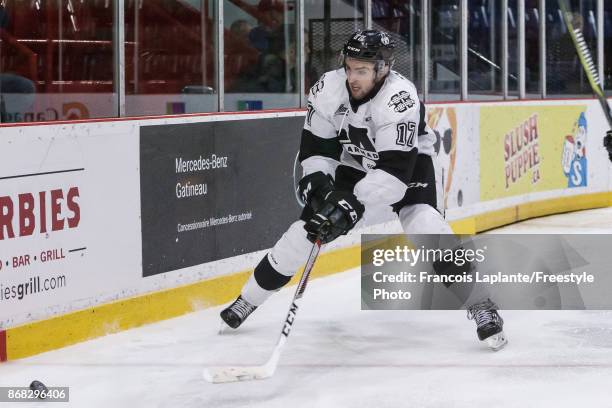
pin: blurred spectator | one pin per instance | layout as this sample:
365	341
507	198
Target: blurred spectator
265	37
4	18
312	75
241	58
275	66
16	91
240	29
276	53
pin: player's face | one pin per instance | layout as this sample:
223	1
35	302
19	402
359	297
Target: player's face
361	76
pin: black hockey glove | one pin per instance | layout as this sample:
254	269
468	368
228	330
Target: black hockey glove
338	215
314	187
607	142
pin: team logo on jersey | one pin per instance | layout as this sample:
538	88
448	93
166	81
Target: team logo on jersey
359	151
341	110
357	143
318	86
401	102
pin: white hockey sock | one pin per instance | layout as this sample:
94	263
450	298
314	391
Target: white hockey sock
280	264
255	294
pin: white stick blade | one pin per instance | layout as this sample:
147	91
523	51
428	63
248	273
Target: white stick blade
219	375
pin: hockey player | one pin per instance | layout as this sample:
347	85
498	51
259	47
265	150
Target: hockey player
608	143
365	143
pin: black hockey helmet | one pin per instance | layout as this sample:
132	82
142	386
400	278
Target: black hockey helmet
370	45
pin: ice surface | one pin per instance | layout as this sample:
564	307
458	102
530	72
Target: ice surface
340	356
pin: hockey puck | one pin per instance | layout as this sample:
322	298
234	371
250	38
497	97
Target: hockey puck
40	388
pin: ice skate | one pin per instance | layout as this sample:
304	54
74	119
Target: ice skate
236	313
489	324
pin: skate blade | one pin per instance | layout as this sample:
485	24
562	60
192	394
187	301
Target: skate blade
497	341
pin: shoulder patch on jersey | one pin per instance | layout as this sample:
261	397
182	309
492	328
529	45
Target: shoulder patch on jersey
384	38
401	102
318	86
342	109
311	111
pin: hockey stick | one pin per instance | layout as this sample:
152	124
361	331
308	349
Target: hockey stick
587	61
218	375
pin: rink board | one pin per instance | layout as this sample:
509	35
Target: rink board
74	196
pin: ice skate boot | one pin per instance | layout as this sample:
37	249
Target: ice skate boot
489	324
236	313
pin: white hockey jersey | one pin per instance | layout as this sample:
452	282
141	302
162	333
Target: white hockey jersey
380	135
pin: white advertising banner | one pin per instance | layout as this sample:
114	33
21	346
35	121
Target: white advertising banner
70	194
